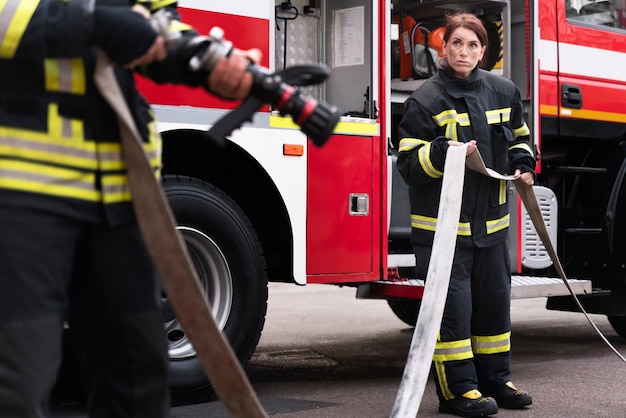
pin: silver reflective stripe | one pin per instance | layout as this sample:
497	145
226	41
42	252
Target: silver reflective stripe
75	183
87	158
6	16
14	18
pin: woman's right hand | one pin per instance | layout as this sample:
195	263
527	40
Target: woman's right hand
471	145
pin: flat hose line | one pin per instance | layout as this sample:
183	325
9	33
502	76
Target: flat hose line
176	271
422	347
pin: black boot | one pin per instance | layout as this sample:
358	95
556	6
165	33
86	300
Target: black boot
470	404
509	397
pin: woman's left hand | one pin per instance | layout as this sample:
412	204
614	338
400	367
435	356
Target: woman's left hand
526	177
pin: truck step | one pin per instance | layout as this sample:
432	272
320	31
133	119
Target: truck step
521	287
534	287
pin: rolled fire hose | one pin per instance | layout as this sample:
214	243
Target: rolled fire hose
168	252
422	347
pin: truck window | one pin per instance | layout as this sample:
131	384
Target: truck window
597	13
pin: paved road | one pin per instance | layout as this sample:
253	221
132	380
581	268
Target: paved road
324	353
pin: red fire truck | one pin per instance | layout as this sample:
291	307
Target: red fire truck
270	206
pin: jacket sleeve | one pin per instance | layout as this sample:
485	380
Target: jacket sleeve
57	28
175	68
421	154
521	155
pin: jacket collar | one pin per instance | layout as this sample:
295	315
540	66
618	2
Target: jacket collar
458	87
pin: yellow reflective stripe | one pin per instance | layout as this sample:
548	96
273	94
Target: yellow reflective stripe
453	350
64	144
111	159
464	229
492	344
423	222
423	155
115	188
452	131
497	224
451	116
65	75
14	18
522	131
158	4
407	144
502	192
428	223
55	181
442	378
178	26
49	180
498	115
524	147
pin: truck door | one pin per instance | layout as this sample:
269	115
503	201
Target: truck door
344	177
591	58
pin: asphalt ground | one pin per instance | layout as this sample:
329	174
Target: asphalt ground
324	353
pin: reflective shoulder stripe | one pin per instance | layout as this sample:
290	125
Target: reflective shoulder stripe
14	18
491	344
451	116
498	115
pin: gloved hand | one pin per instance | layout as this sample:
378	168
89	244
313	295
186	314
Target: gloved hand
126	36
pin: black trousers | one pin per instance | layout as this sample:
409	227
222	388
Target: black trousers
473	348
100	280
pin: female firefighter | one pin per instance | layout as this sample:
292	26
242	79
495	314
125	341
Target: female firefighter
464	104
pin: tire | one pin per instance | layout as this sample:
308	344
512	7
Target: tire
405	309
228	257
619	324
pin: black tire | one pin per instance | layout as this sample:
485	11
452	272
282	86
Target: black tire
228	256
619	324
405	309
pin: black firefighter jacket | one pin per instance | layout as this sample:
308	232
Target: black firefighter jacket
485	107
59	140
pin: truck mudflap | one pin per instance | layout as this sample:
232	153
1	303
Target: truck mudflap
521	287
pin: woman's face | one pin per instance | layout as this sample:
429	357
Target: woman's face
463	51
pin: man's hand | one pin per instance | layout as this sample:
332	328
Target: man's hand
229	78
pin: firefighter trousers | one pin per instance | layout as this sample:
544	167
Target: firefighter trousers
100	280
473	347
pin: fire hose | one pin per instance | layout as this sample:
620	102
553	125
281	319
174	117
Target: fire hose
424	338
172	262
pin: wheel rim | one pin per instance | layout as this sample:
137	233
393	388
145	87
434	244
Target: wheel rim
215	278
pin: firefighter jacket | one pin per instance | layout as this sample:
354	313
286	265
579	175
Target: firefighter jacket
484	107
59	140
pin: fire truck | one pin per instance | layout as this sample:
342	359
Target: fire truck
271	206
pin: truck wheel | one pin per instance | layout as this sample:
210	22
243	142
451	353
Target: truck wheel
405	309
619	324
228	257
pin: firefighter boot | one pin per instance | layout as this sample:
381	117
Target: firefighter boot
471	404
509	397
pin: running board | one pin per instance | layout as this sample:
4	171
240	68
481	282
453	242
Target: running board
521	287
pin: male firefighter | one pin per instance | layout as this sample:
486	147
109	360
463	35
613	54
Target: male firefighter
70	248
